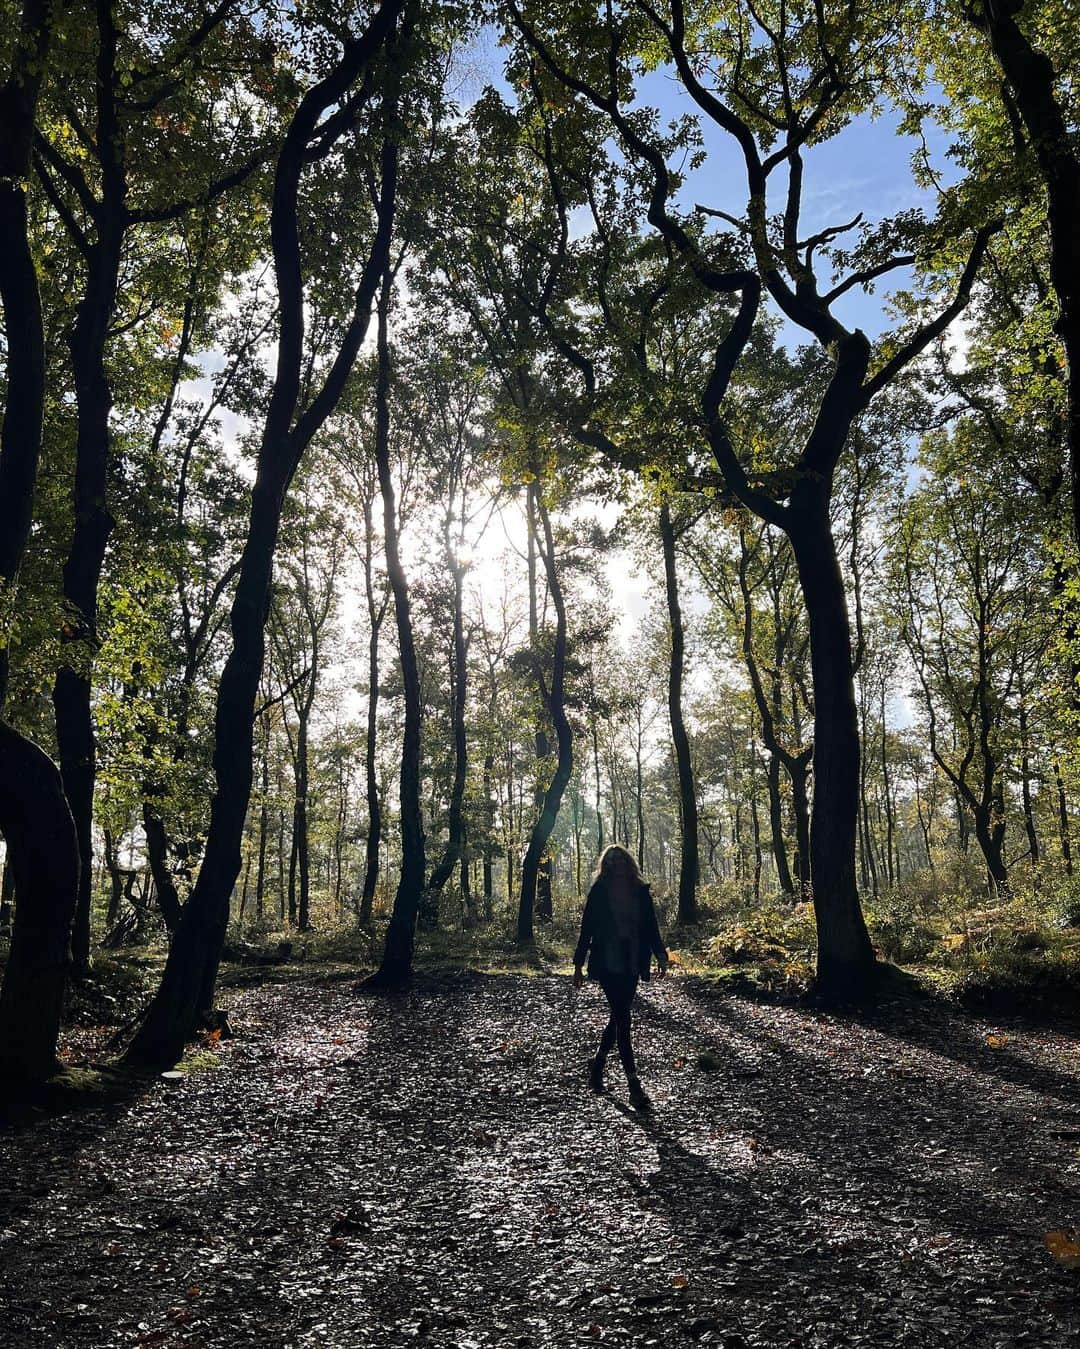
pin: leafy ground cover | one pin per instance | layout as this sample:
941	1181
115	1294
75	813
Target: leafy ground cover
352	1170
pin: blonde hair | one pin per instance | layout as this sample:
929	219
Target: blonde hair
616	852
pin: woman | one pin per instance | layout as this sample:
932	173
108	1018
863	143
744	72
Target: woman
620	935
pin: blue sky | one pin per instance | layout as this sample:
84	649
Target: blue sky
866	167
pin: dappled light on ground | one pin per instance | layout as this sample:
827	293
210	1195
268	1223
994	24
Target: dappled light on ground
431	1169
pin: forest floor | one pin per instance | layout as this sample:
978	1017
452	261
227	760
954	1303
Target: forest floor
430	1168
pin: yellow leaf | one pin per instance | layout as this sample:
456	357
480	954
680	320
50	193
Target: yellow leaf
997	1041
680	1281
1064	1247
674	958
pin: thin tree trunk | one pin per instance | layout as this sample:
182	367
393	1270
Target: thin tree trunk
1063	820
168	897
116	881
544	825
264	784
459	688
397	957
890	822
776	828
1025	786
687	911
302	843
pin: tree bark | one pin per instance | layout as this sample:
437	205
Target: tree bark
1063	820
845	956
44	857
397	959
553	699
157	857
687	911
376	613
35	820
185	995
459	687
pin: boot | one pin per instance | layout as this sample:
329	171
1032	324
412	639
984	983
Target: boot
638	1099
596	1075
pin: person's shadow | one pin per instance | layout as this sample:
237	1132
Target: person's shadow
703	1200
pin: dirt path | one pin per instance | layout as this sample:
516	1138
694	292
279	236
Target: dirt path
430	1169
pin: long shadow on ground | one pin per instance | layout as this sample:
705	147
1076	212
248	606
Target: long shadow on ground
430	1168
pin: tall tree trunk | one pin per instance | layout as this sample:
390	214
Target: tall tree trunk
1064	832
845	956
1025	786
245	885
397	957
599	794
301	842
799	771
185	995
86	556
293	857
35	820
264	785
489	832
776	828
687	911
92	521
553	699
639	796
886	786
376	613
459	687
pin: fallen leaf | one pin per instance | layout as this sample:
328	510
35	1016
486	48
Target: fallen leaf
1064	1247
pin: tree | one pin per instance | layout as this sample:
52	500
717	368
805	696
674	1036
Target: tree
127	122
966	577
186	991
812	72
42	848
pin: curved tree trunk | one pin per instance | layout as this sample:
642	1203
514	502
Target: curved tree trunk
688	815
397	960
86	557
185	995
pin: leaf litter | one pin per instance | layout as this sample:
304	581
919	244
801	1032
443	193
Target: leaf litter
430	1169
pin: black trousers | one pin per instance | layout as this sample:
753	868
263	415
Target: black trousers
620	991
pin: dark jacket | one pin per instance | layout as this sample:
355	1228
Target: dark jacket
596	925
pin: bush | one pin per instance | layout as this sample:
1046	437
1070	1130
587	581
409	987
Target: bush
902	933
1069	902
